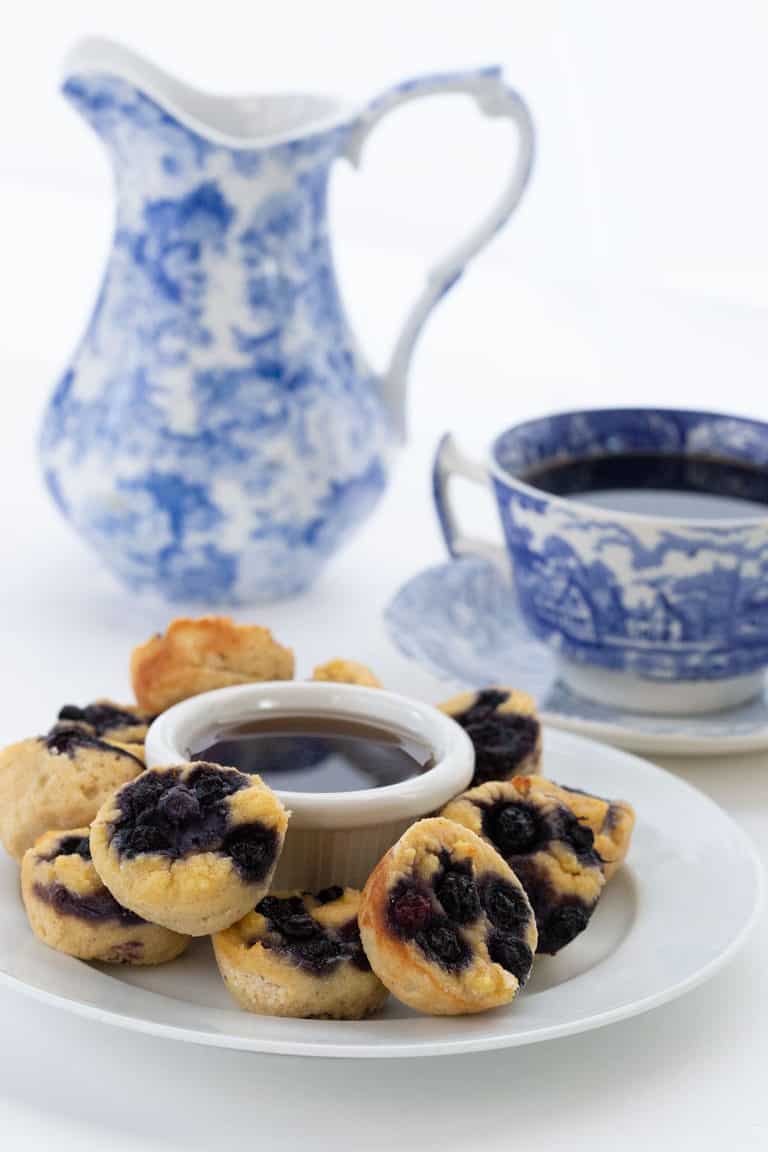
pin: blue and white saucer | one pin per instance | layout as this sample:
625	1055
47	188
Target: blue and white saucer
460	620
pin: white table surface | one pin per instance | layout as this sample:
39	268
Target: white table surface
694	1067
526	331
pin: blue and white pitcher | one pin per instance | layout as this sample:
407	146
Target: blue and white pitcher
218	433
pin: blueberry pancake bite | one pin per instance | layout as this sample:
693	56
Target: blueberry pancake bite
445	922
194	656
504	730
346	672
59	781
549	849
69	908
192	847
299	954
121	723
611	821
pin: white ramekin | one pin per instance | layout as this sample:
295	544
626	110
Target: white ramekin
333	837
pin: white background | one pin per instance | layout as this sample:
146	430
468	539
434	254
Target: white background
635	270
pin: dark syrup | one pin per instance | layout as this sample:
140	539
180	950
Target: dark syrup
658	484
317	753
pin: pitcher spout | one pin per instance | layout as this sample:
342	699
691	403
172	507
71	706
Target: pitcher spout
107	81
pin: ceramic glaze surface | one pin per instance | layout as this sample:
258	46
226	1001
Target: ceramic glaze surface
217	387
664	599
461	620
217	434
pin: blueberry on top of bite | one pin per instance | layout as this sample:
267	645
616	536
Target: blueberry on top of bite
95	906
458	894
295	933
102	717
175	815
63	740
502	740
433	915
518	827
70	846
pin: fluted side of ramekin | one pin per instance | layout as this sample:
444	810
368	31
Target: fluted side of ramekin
317	858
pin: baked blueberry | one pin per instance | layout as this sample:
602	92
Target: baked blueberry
67	844
115	723
69	908
445	922
610	822
192	846
504	730
299	954
457	891
551	851
326	895
409	909
511	953
505	905
59	781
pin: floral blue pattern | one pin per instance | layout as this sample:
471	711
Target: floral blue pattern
666	600
216	435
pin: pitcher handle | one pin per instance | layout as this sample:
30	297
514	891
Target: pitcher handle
494	98
450	461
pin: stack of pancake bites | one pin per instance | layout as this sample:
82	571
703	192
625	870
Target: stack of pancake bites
124	865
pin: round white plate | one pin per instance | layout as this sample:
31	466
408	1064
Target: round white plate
670	919
461	621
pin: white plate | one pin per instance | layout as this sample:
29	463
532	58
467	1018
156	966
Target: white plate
461	621
670	919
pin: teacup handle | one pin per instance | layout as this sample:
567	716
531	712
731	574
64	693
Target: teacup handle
450	461
494	98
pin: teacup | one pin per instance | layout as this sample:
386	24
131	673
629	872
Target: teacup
333	837
661	610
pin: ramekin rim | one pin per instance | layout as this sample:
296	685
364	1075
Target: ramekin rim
168	738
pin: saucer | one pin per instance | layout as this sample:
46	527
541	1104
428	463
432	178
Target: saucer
461	621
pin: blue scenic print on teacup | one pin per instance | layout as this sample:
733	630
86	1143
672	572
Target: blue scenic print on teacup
461	621
659	598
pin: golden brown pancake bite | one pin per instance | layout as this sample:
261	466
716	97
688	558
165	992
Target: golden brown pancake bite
445	922
299	954
194	656
192	847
